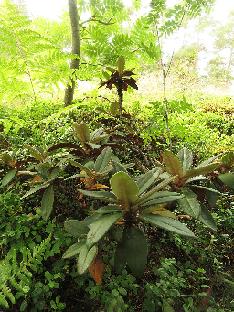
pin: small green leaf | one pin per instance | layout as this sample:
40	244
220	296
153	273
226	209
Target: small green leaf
121	64
86	257
76	228
228	179
132	250
186	157
54	173
101	226
168	224
103	159
8	177
167	307
84	168
206	218
105	74
82	132
47	202
108	209
173	164
73	250
114	108
124	188
189	204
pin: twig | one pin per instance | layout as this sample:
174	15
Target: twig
165	72
94	19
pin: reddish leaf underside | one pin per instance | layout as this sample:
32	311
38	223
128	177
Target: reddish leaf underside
96	269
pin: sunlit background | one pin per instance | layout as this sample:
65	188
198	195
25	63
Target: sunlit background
54	9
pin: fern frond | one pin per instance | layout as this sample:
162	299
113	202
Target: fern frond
16	276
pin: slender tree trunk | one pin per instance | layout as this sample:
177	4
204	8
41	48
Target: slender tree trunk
75	63
229	65
120	95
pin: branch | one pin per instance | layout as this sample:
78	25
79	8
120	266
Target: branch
96	65
95	97
94	19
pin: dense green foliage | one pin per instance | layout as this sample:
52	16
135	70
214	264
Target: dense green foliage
194	267
122	201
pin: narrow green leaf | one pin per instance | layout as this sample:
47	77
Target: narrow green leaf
103	159
206	189
124	188
114	107
161	197
73	250
111	69
117	166
155	189
206	218
86	257
132	250
35	189
208	161
76	228
145	181
159	211
186	157
8	177
47	202
194	172
92	145
189	204
173	164
54	173
76	164
38	155
108	209
99	194
6	158
228	159
211	194
168	224
75	176
101	226
98	136
228	179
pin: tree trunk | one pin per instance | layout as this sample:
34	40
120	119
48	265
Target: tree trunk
75	63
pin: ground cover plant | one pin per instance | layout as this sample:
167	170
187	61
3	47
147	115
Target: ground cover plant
118	201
